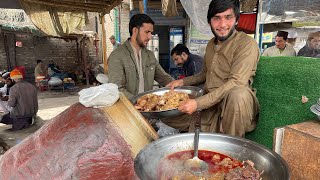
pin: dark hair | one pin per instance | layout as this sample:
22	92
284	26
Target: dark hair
39	61
179	49
137	21
219	6
283	34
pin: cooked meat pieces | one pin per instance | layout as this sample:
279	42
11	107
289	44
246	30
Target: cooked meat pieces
153	102
244	173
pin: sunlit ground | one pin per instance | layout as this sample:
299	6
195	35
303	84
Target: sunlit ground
51	103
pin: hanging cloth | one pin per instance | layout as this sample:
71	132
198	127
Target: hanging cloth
55	21
169	8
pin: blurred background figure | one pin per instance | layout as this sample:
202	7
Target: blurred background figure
54	71
23	102
40	70
4	93
312	47
190	63
281	48
41	75
114	42
292	37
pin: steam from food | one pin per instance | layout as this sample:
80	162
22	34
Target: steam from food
153	102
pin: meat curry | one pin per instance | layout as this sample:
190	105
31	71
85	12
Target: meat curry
221	167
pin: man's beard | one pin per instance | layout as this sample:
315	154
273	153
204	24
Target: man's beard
139	41
223	38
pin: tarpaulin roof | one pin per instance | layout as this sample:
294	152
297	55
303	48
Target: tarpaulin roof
100	6
57	17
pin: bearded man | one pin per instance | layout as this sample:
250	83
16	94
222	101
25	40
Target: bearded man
132	66
229	104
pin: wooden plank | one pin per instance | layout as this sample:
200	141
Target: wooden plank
101	7
131	124
300	149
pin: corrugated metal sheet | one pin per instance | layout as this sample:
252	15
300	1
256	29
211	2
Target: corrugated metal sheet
160	20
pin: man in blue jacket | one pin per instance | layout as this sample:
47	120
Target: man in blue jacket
191	63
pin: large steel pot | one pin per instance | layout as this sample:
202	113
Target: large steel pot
273	166
193	91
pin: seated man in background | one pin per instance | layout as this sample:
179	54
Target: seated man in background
191	63
40	71
281	48
312	47
4	107
54	71
23	101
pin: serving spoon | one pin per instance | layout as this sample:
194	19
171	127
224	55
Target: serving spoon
196	165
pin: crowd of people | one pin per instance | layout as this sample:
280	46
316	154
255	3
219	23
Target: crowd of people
229	104
225	73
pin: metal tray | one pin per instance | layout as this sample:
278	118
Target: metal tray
193	91
146	163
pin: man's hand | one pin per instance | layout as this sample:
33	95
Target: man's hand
175	83
189	107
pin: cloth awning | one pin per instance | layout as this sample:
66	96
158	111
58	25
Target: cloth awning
247	23
60	18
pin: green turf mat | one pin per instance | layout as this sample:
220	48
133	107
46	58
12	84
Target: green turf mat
280	83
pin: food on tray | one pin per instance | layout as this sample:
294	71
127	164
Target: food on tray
153	102
221	167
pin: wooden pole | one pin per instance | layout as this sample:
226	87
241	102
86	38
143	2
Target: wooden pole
104	45
84	58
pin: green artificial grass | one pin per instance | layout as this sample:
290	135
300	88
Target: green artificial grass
280	83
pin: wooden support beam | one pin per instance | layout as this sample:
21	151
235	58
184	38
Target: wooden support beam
91	6
64	5
141	7
104	46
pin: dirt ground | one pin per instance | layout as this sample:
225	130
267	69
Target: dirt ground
51	103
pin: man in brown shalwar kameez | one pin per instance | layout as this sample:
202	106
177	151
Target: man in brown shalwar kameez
229	104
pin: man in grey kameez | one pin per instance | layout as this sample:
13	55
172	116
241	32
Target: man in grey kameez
23	102
229	104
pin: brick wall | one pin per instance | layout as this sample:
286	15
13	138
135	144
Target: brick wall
123	23
125	18
109	27
59	51
3	57
62	52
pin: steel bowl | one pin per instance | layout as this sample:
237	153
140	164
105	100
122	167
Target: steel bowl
193	92
273	166
316	110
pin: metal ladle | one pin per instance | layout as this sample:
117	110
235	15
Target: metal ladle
196	165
